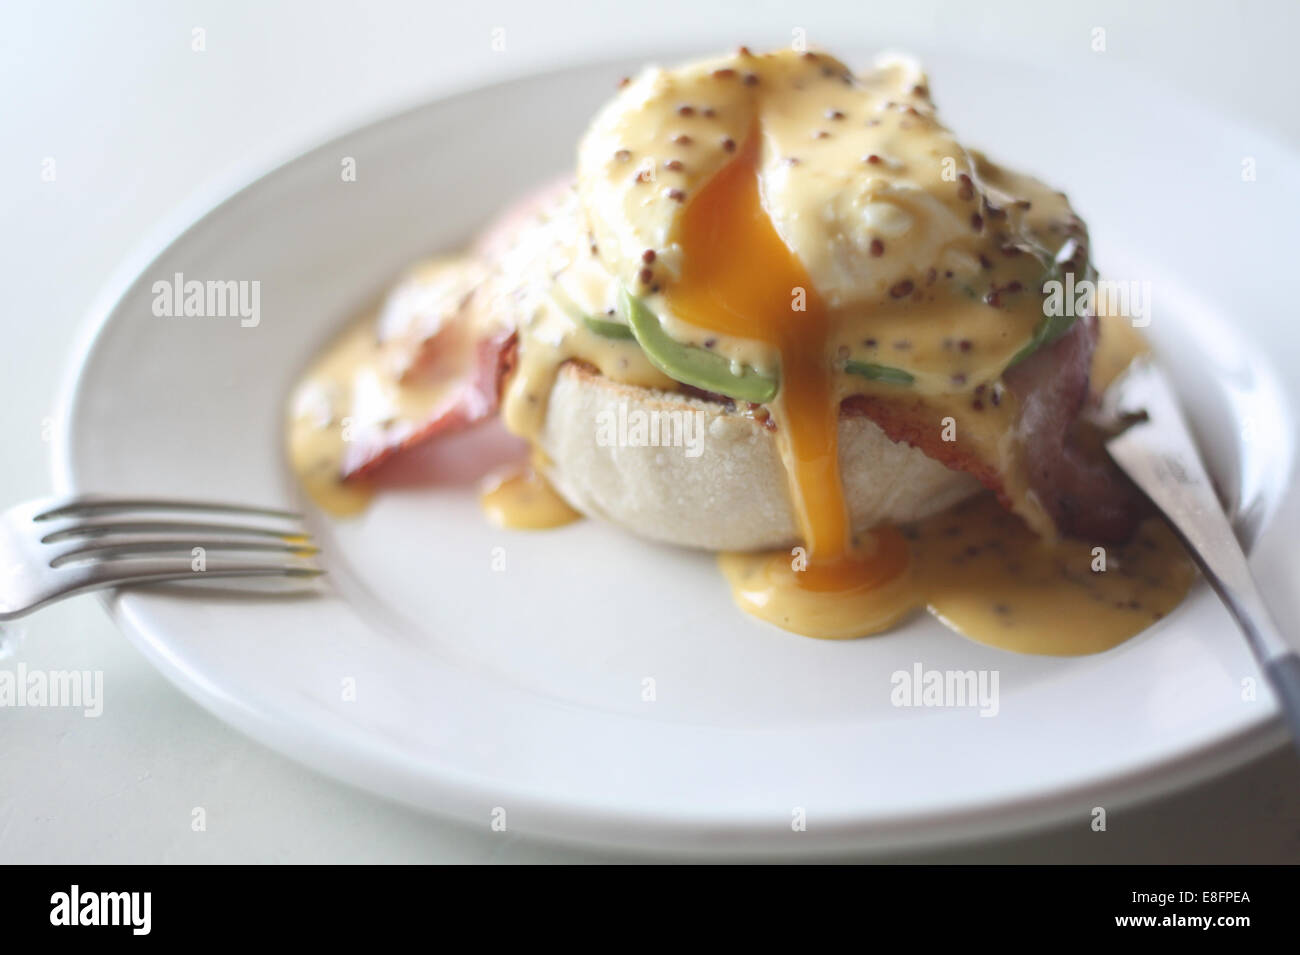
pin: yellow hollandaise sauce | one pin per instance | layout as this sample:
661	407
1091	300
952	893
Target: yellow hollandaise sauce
981	571
522	499
317	426
985	574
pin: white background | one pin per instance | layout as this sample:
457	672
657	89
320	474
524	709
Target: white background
136	121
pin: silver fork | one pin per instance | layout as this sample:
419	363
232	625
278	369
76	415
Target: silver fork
56	547
1158	453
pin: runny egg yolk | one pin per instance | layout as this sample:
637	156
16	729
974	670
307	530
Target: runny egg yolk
739	278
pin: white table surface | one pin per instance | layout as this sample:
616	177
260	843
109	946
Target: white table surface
136	121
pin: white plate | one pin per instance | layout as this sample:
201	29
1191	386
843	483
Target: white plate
522	689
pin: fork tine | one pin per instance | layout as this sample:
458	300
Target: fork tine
126	548
90	507
105	527
115	573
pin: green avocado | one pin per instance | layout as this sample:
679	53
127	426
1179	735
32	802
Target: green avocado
607	329
691	364
894	376
600	326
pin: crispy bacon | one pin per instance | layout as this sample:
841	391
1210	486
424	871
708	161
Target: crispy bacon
474	399
1086	495
1083	492
909	420
427	341
430	340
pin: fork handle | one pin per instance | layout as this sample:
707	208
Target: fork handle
1161	458
1229	575
1214	547
1227	572
1284	673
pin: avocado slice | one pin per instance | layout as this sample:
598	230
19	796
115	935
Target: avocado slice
894	376
607	329
600	326
691	364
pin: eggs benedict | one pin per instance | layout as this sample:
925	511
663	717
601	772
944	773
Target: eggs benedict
783	314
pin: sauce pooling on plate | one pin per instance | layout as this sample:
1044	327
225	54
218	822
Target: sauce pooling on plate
982	572
521	499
